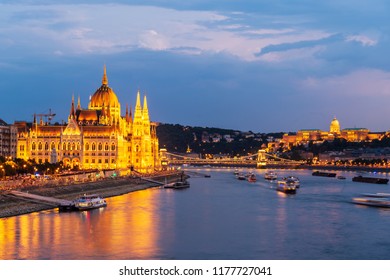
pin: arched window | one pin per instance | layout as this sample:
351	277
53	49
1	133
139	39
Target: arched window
86	146
52	146
68	146
93	147
106	146
113	146
40	146
33	146
64	146
46	146
78	146
73	146
100	146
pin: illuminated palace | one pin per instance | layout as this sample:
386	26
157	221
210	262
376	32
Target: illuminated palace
97	137
317	135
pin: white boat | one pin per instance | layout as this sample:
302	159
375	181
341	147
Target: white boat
372	201
270	175
90	201
286	186
177	185
295	180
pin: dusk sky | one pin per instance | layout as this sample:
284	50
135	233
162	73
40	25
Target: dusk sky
265	66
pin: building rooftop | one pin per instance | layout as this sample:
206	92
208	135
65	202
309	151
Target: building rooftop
3	123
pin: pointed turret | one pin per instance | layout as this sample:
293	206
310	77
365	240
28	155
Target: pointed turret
138	109
127	117
72	110
78	103
145	111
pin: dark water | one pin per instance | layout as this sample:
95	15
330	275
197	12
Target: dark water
216	218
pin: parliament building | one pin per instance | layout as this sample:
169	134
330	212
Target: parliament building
97	137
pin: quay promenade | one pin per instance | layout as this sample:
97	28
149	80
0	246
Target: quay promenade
107	187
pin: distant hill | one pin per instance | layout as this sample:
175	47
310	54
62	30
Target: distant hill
210	140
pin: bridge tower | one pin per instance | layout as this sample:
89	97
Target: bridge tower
261	159
164	159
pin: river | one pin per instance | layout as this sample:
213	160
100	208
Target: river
216	218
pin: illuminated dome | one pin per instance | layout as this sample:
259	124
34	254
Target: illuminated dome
334	126
104	96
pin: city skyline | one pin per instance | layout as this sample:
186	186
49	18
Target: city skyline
254	65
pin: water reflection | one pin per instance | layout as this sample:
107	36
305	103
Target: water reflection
127	228
217	218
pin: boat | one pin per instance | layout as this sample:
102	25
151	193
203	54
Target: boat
376	194
323	174
371	201
270	175
241	177
341	177
286	186
295	180
87	202
252	178
372	180
177	185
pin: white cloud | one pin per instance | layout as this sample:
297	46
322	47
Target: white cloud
362	39
114	28
151	39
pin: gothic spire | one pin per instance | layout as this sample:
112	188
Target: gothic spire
78	103
72	111
105	80
138	109
145	111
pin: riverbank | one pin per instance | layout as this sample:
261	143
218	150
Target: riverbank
12	206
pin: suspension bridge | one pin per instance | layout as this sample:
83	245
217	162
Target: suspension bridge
261	159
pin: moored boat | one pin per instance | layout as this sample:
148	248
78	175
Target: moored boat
324	174
177	185
286	186
372	180
87	202
252	178
241	177
270	175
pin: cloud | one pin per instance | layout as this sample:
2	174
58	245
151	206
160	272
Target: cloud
110	28
363	82
364	40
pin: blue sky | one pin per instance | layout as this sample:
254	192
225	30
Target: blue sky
265	66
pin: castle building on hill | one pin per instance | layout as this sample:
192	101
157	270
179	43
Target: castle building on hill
95	137
304	136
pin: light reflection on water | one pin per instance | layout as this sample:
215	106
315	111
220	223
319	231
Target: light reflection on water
216	218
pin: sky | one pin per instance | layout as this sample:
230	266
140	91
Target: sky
264	66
